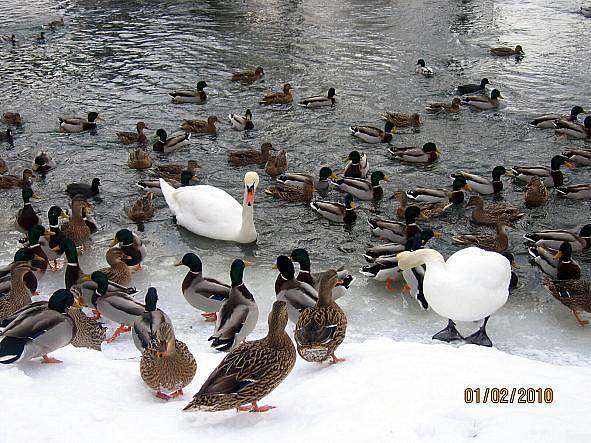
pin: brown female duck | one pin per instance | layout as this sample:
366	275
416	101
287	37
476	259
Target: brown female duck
200	126
248	76
536	193
19	294
139	159
279	98
293	194
493	213
497	243
250	156
117	272
428	209
143	208
12	181
130	138
574	294
12	118
76	229
277	164
173	172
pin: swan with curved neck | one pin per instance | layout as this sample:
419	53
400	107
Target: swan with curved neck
211	212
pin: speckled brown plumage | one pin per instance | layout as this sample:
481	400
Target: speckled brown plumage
536	193
201	126
139	159
277	164
497	243
173	172
293	194
250	156
117	272
76	229
400	120
143	208
493	213
89	333
19	294
12	118
574	294
428	210
13	181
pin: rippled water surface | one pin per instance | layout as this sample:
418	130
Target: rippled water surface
121	59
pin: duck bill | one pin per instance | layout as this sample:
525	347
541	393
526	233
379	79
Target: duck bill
114	242
250	195
558	255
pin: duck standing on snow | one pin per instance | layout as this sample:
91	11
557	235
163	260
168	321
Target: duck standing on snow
319	100
363	189
19	294
190	96
242	122
574	294
132	246
369	134
357	165
470	286
146	325
118	271
547	121
250	371
422	69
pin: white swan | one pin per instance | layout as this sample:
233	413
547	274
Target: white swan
470	286
211	212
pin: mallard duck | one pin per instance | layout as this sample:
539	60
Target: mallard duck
145	325
335	211
40	38
277	164
54	247
19	294
576	192
173	172
37	332
391	249
130	138
73	275
8	39
395	231
3	166
369	134
297	294
551	176
482	102
547	121
238	314
167	364
190	96
12	181
574	130
296	179
497	243
439	107
580	157
363	189
321	329
89	332
514	265
132	246
7	136
292	194
428	210
504	51
357	165
401	120
586	11
278	98
574	294
26	216
76	229
55	24
200	126
493	213
153	186
470	286
440	195
87	215
139	159
427	154
536	193
553	238
556	264
317	101
242	122
84	189
420	68
167	145
23	256
483	185
43	163
118	271
383	269
248	76
250	371
35	237
203	293
143	208
251	156
75	125
473	88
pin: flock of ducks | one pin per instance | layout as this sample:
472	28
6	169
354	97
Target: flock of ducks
470	285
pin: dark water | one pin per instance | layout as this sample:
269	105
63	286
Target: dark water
121	58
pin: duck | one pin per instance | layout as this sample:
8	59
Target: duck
241	122
299	180
483	185
357	165
118	271
318	101
279	98
513	284
504	51
238	314
363	189
8	39
87	215
440	107
579	157
547	121
497	243
575	192
248	76
89	333
203	293
73	275
55	24
395	231
277	164
170	144
427	154
54	247
574	294
7	136
402	120
292	194
550	176
43	163
553	238
3	166
36	236
391	249
40	38
145	325
369	134
383	269
297	294
200	126
422	69
38	332
8	181
190	96
414	278
84	189
428	210
473	88
556	264
76	229
482	102
26	217
493	213
211	212
335	211
440	195
574	130
321	328
586	11
167	364
232	384
470	286
139	159
19	294
131	138
251	156
76	125
143	208
153	186
536	193
23	256
174	171
132	246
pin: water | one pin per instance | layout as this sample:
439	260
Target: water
121	59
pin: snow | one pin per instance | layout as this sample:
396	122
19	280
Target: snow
384	391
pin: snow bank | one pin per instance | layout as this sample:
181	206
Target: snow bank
385	391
